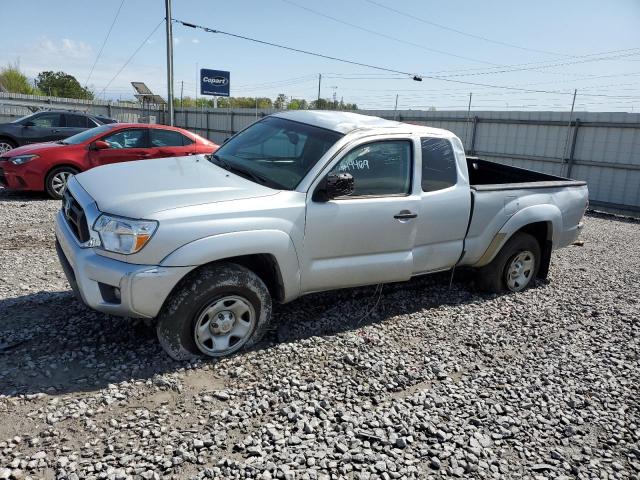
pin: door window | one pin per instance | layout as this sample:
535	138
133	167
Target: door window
378	168
168	138
47	120
127	139
76	121
438	164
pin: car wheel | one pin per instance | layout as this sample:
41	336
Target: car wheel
6	145
214	312
515	266
56	181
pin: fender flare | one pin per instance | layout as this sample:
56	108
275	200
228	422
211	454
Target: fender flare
547	213
234	244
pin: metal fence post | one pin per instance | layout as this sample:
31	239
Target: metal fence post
233	114
472	147
573	147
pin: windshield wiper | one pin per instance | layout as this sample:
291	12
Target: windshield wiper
257	156
244	172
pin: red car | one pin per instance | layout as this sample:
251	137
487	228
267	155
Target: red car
48	166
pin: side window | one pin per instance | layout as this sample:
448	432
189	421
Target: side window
47	120
379	168
167	138
438	164
127	139
76	121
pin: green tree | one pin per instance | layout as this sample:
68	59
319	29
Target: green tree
60	84
298	104
14	81
327	104
280	102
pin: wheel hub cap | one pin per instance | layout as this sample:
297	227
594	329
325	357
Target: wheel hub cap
520	270
224	325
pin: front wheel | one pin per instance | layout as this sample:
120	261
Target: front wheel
214	312
6	145
514	267
56	182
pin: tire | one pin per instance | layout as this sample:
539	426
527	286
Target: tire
223	302
514	267
6	144
56	182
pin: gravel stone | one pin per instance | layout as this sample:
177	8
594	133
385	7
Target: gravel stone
435	382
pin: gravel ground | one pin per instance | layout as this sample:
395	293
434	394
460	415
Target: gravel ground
436	382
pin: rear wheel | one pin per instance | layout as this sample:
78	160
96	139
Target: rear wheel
56	181
514	267
215	312
6	145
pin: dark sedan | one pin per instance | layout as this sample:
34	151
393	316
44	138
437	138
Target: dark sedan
46	127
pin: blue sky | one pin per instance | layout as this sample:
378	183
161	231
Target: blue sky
551	38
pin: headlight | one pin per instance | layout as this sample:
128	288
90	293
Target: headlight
122	235
21	159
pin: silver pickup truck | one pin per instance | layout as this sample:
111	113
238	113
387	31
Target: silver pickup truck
301	202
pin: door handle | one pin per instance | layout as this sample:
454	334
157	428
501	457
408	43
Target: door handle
55	130
405	215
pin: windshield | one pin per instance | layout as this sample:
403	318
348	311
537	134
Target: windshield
275	152
22	119
86	135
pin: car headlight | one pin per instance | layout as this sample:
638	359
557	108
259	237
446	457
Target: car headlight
22	159
122	235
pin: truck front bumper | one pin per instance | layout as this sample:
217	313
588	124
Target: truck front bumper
112	286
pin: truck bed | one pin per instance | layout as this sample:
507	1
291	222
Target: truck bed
485	176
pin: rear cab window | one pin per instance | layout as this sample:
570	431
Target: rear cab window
438	164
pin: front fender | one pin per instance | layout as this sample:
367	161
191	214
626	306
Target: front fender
536	213
226	245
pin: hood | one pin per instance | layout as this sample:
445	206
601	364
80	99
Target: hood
140	188
34	148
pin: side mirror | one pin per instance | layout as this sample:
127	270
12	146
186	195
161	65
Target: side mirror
334	185
28	123
100	145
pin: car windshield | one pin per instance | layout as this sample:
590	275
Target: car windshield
275	152
22	119
82	137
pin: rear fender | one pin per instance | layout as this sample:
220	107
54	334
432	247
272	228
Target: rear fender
226	245
547	213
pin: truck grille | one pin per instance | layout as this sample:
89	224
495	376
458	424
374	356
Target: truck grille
74	214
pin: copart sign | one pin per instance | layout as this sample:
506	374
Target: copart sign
215	82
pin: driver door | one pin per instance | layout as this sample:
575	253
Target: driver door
44	127
124	146
367	237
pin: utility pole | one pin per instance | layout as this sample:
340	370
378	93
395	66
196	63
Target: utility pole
168	21
181	91
395	109
319	82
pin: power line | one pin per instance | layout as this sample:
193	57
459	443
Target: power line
306	52
416	76
510	68
132	55
461	32
384	35
104	42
